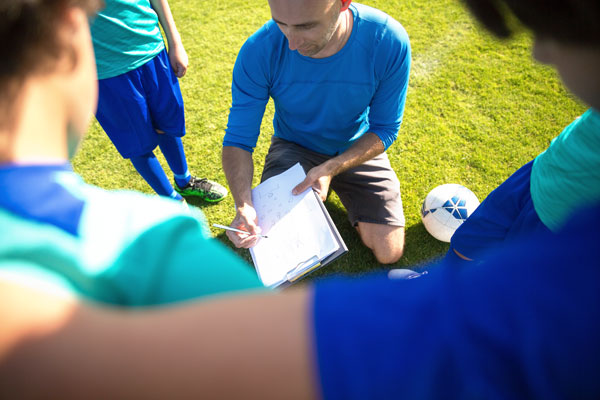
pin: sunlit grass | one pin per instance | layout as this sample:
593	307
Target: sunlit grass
477	109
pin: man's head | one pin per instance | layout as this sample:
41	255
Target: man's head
308	25
566	34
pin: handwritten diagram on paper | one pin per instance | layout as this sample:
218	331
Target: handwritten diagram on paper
297	228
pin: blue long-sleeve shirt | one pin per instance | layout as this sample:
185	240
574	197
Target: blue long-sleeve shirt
323	104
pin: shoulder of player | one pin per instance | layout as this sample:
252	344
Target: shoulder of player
262	45
372	22
266	37
592	116
127	213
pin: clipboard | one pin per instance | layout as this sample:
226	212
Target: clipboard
301	234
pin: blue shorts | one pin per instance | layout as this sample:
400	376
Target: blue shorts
133	105
506	214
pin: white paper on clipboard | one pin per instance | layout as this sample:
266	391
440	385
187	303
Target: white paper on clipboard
300	232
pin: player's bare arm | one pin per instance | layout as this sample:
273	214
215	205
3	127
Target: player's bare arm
191	351
319	177
239	171
177	54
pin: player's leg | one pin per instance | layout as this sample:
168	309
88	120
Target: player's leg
167	112
185	183
172	149
505	214
123	114
386	241
149	168
371	194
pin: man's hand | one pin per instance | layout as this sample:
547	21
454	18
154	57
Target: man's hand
319	178
245	220
179	60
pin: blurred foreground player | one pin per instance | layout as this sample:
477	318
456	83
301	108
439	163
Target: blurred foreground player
59	234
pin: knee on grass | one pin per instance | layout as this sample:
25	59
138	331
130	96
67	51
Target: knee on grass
387	255
386	242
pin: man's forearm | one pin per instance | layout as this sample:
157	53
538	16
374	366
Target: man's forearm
239	171
365	148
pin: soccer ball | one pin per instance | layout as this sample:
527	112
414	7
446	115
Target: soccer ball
445	208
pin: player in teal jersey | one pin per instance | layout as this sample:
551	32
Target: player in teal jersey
140	105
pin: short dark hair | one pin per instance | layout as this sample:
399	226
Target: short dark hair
28	39
567	21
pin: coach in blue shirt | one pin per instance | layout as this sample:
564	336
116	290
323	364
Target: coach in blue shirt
337	73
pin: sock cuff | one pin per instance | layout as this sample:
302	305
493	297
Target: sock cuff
185	175
176	196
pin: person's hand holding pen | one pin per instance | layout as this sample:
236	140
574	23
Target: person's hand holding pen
228	228
245	220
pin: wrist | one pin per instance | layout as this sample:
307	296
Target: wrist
242	205
332	166
174	41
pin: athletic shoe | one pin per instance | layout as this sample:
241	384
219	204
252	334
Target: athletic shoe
207	190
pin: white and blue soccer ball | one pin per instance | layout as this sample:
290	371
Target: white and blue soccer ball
445	208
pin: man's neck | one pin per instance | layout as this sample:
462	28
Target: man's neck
340	37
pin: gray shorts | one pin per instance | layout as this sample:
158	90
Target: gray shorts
370	192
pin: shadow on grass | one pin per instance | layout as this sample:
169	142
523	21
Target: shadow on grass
420	248
198	202
358	260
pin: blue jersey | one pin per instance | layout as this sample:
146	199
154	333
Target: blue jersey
323	104
523	324
63	236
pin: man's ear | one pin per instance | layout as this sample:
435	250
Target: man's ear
345	4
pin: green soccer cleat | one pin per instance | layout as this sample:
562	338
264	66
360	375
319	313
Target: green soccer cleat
207	190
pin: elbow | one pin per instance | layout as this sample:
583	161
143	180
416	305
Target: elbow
387	137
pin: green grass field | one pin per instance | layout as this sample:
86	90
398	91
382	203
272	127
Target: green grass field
477	109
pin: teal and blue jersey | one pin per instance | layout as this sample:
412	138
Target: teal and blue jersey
323	104
566	176
117	247
540	196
